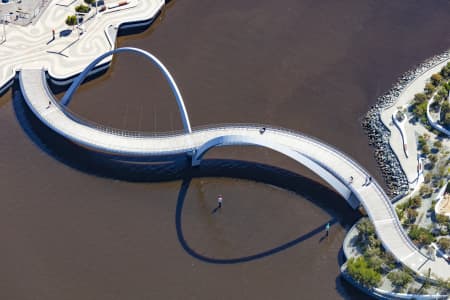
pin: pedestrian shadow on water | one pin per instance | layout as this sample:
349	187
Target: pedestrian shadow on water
177	167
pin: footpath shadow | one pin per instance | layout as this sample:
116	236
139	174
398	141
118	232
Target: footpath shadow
177	167
179	228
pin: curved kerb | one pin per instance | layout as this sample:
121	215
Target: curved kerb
173	86
229	140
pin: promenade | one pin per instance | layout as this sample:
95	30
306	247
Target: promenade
371	196
409	163
69	53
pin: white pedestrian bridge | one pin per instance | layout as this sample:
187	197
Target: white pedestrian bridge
329	163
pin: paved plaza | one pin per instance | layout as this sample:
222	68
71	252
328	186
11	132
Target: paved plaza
70	52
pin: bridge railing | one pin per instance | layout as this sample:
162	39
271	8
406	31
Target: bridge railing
316	141
256	127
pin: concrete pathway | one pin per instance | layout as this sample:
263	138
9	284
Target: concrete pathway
372	196
65	56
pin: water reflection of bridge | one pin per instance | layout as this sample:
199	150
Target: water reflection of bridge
329	163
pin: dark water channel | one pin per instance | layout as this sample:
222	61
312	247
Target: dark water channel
75	225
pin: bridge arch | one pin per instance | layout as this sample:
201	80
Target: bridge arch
332	178
173	86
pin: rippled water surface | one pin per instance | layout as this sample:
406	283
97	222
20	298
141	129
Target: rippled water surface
75	225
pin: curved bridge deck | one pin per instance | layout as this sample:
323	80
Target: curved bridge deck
372	197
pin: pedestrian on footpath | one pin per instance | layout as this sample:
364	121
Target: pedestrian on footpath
219	201
53	33
49	104
351	180
327	228
366	182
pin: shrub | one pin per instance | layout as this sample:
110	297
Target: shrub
420	235
420	98
443	92
441	219
437	144
429	88
445	71
444	244
362	273
412	215
425	190
445	107
420	111
447	119
71	20
436	79
416	201
89	2
421	140
399	278
82	8
433	158
400	116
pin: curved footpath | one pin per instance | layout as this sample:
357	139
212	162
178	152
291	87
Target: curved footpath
372	197
410	163
66	56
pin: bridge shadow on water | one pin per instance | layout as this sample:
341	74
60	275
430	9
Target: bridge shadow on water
178	167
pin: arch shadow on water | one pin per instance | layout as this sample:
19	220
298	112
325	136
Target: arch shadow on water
179	227
178	167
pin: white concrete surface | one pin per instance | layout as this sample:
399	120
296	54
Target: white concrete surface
372	197
409	164
66	56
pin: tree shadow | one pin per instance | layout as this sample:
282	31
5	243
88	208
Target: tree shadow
65	32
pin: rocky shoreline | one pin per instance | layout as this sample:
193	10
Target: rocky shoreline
379	134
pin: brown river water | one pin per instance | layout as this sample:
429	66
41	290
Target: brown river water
78	225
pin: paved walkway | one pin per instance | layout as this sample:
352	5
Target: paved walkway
32	45
372	196
409	164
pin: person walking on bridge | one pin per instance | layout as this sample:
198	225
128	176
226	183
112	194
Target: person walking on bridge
219	201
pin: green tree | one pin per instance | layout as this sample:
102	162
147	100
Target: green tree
437	144
445	71
412	215
445	108
447	119
362	273
420	98
436	79
425	190
426	149
444	244
433	158
416	201
443	93
442	219
429	89
420	111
